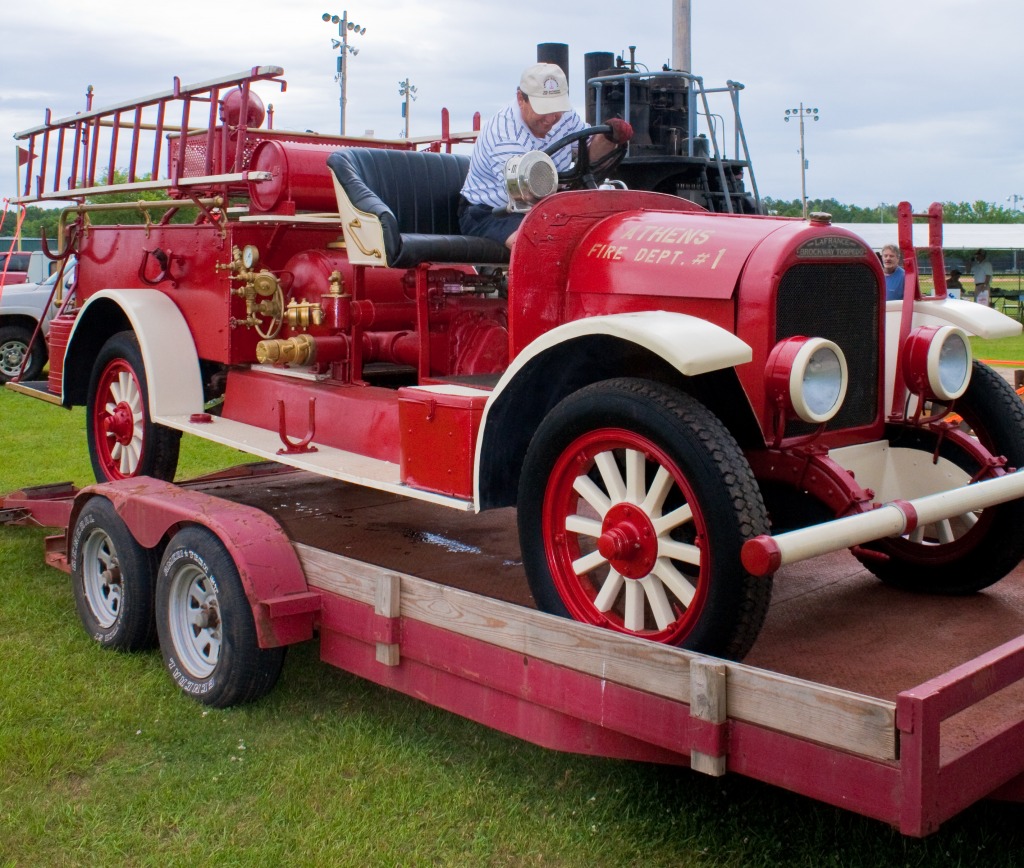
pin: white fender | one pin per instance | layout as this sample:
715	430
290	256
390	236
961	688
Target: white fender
168	351
690	344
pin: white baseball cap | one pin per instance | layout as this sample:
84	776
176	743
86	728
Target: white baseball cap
544	85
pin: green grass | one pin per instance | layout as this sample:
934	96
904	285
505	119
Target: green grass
104	763
1003	349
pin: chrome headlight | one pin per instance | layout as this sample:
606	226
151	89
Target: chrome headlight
936	362
529	178
808	377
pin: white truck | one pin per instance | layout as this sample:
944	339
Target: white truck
23	306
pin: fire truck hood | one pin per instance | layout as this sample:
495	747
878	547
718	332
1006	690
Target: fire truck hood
655	252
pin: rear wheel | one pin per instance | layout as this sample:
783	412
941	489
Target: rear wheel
123	441
634	503
14	347
112	576
207	632
972	551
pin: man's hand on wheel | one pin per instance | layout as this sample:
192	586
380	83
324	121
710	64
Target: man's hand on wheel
621	131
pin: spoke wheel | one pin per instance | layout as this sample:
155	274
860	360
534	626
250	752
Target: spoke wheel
123	442
966	553
634	503
113	578
207	633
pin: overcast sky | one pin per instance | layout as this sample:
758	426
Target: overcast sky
918	99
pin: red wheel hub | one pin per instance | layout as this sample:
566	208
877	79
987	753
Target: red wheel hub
121	424
628	540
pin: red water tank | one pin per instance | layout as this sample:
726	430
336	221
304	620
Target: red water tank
301	180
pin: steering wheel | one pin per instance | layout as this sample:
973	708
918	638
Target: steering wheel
581	173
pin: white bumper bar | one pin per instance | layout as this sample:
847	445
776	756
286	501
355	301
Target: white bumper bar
765	554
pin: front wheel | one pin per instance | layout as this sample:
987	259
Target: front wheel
207	632
970	552
634	503
123	440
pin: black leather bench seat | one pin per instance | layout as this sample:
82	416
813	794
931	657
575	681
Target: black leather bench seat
415	196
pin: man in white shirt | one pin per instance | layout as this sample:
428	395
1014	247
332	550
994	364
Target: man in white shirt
981	271
540	115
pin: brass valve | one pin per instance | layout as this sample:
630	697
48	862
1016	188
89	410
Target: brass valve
303	314
264	299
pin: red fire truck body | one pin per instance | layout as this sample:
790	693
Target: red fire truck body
677	401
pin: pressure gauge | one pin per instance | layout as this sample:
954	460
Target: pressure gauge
250	256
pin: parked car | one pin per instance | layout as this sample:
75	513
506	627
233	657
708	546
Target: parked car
22	306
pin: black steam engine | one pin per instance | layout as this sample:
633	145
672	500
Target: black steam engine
678	145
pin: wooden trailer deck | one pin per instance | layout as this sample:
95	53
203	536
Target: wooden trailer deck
902	707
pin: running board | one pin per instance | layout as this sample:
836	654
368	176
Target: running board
325	461
35	389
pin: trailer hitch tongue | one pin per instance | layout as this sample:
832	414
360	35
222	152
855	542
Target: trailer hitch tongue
764	554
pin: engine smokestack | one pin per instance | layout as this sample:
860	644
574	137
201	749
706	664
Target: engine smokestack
557	53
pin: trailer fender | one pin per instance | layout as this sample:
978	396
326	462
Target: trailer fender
550	368
168	350
283	607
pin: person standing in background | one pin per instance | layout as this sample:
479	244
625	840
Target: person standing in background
981	271
895	276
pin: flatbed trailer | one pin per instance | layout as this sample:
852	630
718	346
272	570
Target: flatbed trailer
904	708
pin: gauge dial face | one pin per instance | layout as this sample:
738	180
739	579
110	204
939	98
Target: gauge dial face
250	256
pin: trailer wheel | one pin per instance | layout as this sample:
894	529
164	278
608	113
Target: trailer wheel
112	577
14	346
961	555
634	502
123	441
206	627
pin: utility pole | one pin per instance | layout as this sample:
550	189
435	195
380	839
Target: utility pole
344	49
801	113
409	92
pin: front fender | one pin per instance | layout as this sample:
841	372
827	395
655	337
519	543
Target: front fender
563	360
975	319
168	350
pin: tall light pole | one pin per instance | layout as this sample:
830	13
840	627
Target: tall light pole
409	92
344	27
802	113
1014	198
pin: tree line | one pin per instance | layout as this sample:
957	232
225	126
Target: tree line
952	212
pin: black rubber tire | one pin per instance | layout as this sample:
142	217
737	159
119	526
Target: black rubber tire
984	553
652	429
14	344
112	577
205	624
118	448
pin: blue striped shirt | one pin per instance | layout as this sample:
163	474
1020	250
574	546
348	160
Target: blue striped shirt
503	136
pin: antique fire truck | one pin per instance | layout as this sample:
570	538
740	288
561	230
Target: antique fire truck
676	401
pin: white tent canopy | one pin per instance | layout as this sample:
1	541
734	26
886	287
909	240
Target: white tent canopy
955	236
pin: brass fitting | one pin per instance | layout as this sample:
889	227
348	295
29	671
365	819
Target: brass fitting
299	350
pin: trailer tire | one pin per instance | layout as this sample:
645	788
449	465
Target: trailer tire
207	633
123	440
980	548
653	551
112	577
14	346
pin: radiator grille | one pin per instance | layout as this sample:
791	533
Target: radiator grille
840	303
